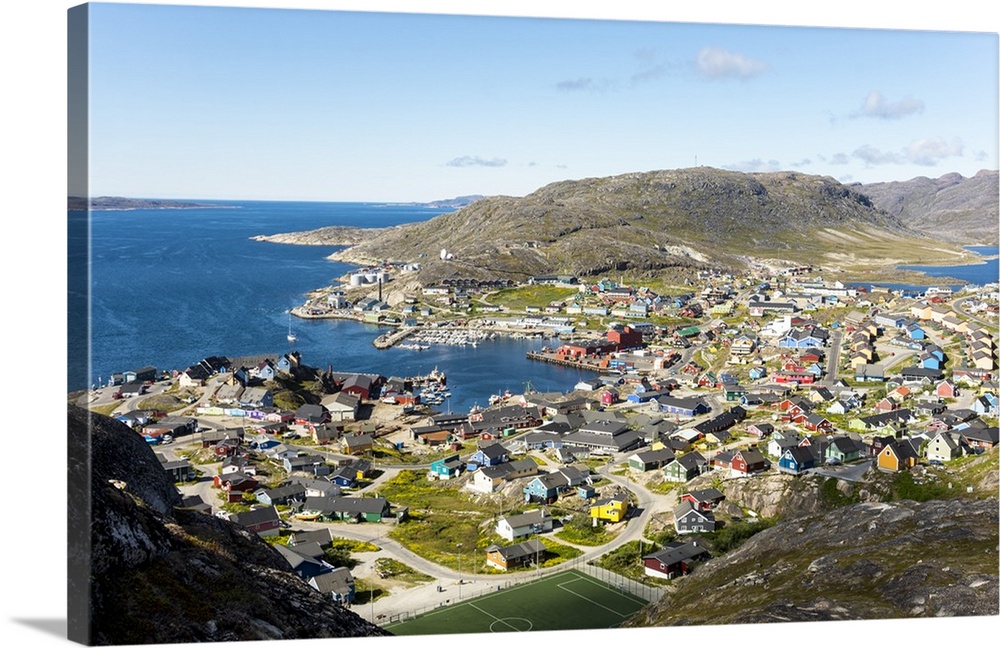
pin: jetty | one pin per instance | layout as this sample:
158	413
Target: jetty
387	340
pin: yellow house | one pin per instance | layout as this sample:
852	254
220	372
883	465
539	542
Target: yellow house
612	509
896	457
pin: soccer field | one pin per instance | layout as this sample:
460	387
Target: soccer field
566	601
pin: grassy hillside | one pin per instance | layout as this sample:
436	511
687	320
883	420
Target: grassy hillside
647	222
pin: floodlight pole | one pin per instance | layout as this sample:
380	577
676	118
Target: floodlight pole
538	567
459	545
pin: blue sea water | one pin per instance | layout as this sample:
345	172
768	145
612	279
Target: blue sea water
975	273
169	287
978	274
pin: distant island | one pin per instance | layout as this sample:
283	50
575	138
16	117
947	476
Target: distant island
79	203
458	201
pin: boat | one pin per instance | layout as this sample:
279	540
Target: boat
308	515
291	336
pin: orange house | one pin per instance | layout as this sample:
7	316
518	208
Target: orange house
896	457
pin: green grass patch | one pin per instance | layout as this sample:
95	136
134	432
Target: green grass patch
390	568
579	530
105	409
627	561
354	545
732	535
833	497
905	487
165	402
534	295
366	591
442	516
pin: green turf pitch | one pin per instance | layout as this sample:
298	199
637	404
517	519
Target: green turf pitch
567	601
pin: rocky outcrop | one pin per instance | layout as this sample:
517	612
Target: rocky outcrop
951	208
774	495
864	561
142	571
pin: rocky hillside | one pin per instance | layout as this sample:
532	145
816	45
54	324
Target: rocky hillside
864	561
952	208
645	223
162	575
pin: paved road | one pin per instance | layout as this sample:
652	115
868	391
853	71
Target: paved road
958	306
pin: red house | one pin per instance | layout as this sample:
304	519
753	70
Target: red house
749	461
627	338
705	499
946	389
675	559
580	351
236	482
262	521
609	396
886	405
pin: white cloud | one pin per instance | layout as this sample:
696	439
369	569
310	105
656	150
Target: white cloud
755	165
650	74
718	63
475	160
582	83
876	106
873	156
928	152
925	152
840	158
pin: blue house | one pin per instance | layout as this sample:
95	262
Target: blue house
796	460
683	406
985	404
489	455
815	338
757	373
915	332
546	488
930	361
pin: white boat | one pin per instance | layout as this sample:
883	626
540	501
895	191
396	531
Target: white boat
291	337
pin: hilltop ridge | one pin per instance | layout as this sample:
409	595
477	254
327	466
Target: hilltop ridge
651	221
952	207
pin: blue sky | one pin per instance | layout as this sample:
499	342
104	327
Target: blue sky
228	102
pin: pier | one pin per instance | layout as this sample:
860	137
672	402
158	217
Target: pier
577	363
387	340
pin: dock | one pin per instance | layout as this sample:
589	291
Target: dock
387	340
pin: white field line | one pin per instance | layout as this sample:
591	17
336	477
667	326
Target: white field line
493	617
563	587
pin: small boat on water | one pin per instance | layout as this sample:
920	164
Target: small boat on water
291	336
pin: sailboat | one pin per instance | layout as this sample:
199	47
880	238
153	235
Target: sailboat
291	336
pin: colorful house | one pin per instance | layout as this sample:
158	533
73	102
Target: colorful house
518	555
446	468
749	461
896	457
612	509
688	519
686	467
796	460
675	559
943	448
705	499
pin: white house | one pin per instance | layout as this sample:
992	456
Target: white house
512	527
